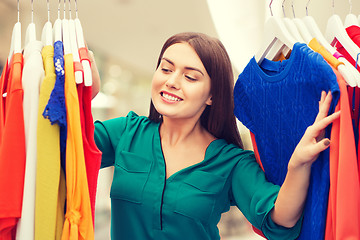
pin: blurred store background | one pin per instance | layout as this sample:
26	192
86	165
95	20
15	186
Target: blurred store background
126	37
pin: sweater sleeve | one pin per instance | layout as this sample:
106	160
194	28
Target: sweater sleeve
255	197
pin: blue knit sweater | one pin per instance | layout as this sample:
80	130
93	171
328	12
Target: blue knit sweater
277	101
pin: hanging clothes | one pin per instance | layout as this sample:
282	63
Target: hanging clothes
3	85
354	93
55	110
32	75
12	151
78	218
277	101
343	217
48	157
343	208
91	151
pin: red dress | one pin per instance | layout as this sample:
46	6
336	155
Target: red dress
12	150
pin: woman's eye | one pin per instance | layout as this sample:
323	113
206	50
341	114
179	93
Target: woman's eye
190	78
166	70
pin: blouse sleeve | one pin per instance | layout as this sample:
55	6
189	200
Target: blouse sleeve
107	135
255	197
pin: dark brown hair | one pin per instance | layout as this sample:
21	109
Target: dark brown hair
217	118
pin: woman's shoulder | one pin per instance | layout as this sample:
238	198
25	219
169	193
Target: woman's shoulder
131	118
230	151
131	123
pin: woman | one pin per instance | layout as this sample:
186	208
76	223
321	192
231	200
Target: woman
179	169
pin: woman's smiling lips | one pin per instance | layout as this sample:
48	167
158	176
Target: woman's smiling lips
169	97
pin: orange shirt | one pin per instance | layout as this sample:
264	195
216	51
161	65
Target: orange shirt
3	90
78	218
343	218
12	152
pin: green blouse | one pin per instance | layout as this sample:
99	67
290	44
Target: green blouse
189	204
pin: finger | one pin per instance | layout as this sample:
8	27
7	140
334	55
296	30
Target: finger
322	98
324	105
319	126
91	56
321	146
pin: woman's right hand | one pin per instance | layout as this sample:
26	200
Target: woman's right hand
313	141
95	75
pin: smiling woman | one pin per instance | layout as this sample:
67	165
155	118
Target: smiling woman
205	70
170	165
180	89
179	169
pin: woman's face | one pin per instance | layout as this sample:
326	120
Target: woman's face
181	86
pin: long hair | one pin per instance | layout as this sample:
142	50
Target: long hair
217	118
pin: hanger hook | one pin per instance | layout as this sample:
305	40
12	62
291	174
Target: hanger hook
292	6
59	9
69	9
270	7
32	11
48	7
18	10
282	5
350	2
307	5
333	6
76	9
64	8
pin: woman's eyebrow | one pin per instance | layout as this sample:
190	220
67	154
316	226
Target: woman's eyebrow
188	68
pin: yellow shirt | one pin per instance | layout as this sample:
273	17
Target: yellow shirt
48	157
78	219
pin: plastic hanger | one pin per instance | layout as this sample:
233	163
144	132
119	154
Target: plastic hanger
351	19
31	29
304	32
291	27
65	33
335	30
79	76
15	46
315	32
301	26
349	72
57	30
81	44
274	30
46	36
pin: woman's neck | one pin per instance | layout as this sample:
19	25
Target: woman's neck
175	131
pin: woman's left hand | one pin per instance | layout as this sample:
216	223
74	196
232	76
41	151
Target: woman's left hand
313	141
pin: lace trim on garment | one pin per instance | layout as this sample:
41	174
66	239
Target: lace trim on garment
55	110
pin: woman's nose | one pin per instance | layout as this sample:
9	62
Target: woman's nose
173	81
